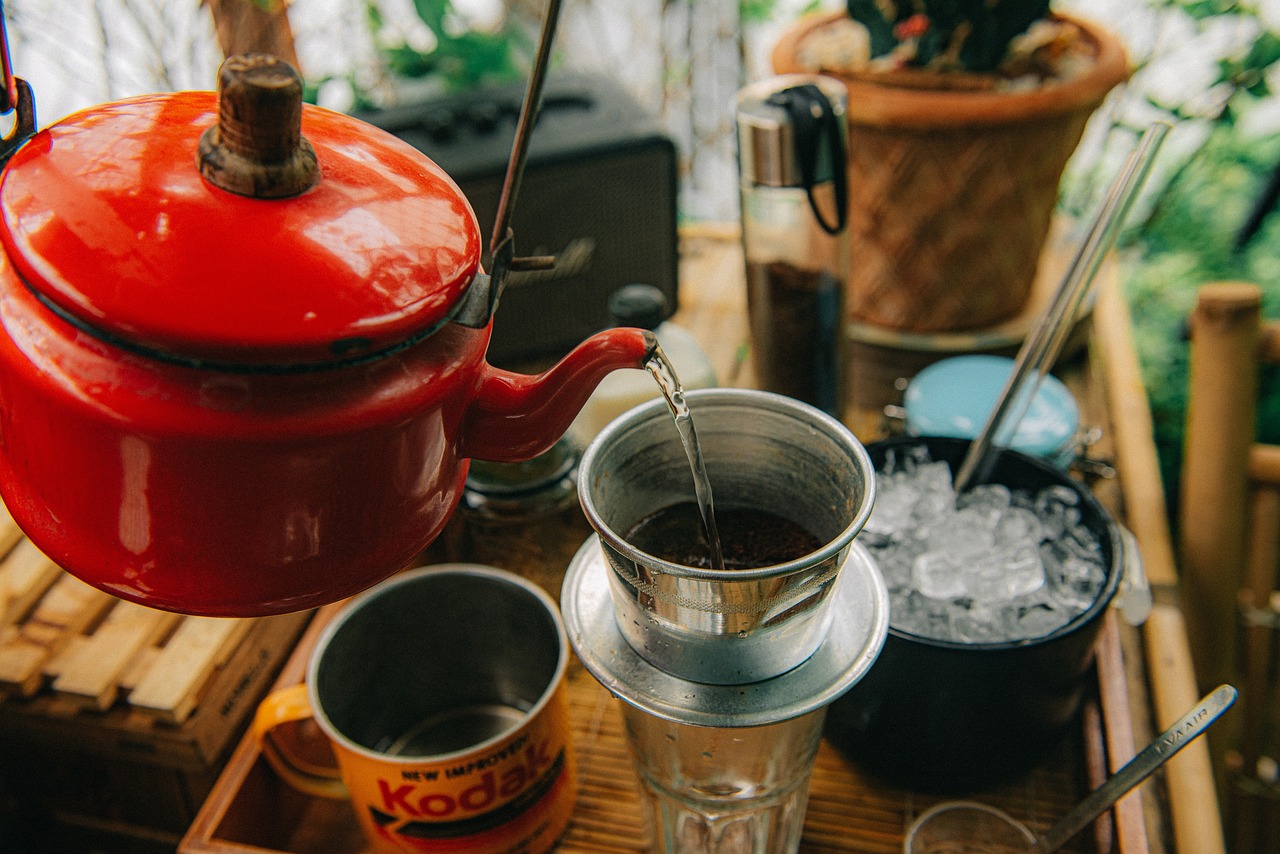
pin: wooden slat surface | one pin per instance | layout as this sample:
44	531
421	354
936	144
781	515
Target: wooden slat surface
88	650
90	670
26	648
171	684
25	574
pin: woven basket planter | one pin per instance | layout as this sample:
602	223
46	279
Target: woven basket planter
951	192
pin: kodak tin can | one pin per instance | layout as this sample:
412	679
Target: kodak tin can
443	694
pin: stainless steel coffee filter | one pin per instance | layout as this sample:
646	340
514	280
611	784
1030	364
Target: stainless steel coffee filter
763	451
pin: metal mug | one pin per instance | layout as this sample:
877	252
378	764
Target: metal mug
443	695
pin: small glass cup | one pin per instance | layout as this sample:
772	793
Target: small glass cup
725	768
967	827
724	790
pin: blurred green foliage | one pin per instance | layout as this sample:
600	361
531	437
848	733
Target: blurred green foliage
1188	236
1188	241
460	55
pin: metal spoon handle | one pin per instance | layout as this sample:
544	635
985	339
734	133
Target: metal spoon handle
1186	730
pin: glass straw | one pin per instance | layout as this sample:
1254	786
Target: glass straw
1040	350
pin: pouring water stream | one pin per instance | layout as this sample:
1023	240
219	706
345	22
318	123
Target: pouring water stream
665	375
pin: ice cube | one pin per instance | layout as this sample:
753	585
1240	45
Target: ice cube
892	511
964	532
1074	583
1018	524
931	506
909	613
937	621
1003	574
1054	498
1039	620
989	499
936	575
894	562
1081	542
933	477
976	623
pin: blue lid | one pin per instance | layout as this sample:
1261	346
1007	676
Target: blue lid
955	396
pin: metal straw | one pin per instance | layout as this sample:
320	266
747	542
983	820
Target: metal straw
1042	346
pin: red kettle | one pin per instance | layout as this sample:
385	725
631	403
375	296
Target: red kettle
242	351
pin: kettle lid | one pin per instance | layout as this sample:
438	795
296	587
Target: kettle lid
108	219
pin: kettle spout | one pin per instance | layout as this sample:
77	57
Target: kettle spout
514	417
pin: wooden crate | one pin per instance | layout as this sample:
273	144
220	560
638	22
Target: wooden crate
114	716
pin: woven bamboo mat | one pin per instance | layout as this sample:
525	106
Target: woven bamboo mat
847	811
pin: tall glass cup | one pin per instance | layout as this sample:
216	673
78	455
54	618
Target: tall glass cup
724	789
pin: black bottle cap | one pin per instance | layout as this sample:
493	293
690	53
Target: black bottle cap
639	305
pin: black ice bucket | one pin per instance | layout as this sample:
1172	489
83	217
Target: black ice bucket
956	717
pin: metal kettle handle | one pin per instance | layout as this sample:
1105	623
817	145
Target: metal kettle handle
15	95
481	304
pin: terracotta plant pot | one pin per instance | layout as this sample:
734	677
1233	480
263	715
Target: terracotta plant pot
951	191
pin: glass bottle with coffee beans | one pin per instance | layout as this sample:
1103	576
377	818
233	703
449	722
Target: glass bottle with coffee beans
523	517
791	152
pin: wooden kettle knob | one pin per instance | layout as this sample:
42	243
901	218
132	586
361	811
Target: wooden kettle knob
256	149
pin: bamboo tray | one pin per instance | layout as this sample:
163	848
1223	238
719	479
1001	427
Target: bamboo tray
252	810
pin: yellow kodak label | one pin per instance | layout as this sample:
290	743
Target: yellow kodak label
514	796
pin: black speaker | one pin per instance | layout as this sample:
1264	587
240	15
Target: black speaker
598	192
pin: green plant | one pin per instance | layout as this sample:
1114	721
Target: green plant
458	52
1187	230
463	54
946	35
